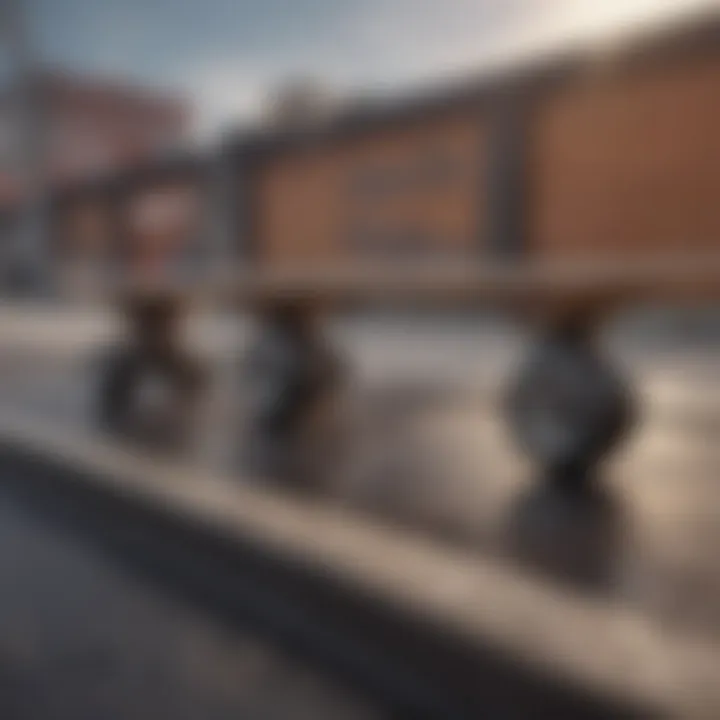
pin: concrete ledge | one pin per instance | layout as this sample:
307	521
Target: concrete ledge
430	631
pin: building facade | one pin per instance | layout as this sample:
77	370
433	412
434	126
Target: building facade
84	128
89	127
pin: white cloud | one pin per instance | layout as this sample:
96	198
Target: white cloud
224	94
390	44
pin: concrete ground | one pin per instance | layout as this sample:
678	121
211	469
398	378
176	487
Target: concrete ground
430	450
83	639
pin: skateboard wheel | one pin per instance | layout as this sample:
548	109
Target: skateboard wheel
568	407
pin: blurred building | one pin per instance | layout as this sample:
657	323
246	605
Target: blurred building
89	127
84	128
605	151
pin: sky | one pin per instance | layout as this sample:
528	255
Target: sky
226	54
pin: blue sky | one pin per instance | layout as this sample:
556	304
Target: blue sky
225	53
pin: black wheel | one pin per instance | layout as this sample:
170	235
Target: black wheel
149	399
286	376
291	379
568	407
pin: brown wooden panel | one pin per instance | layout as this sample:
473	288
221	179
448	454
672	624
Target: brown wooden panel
409	190
628	162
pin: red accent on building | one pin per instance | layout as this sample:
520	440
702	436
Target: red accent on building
96	127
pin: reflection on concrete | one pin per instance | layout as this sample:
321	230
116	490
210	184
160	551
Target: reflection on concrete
429	450
576	536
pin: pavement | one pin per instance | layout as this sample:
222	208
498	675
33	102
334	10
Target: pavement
81	638
431	452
